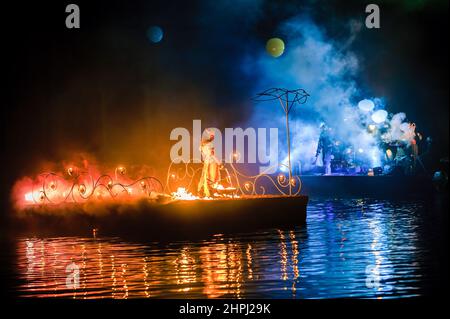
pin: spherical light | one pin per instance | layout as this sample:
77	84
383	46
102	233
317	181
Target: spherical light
366	105
155	34
275	47
379	116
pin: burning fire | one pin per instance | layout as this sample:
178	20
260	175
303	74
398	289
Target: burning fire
183	194
223	192
80	184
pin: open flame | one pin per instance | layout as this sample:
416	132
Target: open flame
86	183
227	192
79	184
183	194
223	192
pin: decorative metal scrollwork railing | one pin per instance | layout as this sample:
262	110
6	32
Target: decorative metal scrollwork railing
80	187
182	174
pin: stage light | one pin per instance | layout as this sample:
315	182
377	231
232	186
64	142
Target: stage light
389	154
377	171
70	171
281	178
360	150
371	127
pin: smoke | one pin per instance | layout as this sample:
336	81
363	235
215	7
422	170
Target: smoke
329	72
83	180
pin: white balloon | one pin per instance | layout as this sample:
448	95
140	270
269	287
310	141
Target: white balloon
379	116
366	105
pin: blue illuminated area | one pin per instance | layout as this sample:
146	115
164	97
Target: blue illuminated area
155	34
361	130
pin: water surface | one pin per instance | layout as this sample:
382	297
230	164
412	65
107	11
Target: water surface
348	248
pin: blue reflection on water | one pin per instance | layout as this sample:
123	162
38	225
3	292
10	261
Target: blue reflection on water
348	248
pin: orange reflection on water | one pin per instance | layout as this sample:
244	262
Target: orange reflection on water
185	270
85	268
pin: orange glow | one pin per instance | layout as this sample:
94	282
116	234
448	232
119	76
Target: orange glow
183	194
61	184
29	197
293	182
108	269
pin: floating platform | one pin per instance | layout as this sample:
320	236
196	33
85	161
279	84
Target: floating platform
160	220
383	186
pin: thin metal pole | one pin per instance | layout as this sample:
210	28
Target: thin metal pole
289	152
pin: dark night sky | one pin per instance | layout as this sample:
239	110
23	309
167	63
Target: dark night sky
104	89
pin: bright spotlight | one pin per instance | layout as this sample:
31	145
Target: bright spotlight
389	154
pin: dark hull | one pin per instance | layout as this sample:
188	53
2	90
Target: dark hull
178	219
367	186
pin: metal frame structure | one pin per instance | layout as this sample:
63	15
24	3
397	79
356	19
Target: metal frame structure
287	99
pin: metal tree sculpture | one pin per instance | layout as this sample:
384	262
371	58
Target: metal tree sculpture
287	99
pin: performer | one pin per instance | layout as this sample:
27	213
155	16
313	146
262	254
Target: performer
325	146
210	172
413	139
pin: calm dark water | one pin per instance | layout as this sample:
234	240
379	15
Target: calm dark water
349	248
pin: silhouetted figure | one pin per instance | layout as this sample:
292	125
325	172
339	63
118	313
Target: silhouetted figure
325	146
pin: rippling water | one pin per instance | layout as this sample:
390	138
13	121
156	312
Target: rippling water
349	248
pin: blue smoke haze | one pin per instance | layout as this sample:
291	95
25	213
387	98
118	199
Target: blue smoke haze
329	73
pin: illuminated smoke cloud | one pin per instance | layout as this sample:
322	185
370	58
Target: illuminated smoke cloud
329	74
83	181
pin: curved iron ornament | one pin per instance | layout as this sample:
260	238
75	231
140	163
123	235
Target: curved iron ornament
82	186
185	174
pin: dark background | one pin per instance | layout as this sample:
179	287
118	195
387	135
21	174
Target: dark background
105	90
